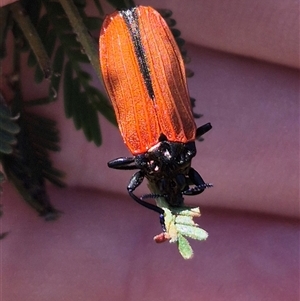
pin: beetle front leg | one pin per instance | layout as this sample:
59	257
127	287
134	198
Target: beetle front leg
199	183
136	181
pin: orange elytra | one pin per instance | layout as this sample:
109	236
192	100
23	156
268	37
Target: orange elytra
144	76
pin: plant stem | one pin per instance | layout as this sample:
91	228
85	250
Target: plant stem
32	37
84	37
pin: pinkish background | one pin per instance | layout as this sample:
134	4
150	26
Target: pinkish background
245	55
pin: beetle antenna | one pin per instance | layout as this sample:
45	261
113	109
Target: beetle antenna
203	129
152	196
201	186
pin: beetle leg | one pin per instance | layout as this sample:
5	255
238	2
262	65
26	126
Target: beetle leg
123	163
203	129
197	180
136	181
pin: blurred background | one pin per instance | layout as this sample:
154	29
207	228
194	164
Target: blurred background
245	56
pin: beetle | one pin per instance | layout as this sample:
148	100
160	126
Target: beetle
144	75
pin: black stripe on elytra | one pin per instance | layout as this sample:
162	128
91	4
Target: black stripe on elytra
132	22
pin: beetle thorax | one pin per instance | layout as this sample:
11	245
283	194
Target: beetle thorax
167	165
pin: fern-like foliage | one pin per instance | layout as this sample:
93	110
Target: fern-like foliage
27	163
8	129
82	100
60	50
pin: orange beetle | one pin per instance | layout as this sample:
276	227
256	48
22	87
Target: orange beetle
144	76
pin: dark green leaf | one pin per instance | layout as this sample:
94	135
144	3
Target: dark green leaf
63	25
57	72
69	39
176	33
68	90
31	62
180	42
86	125
33	9
43	27
4	110
6	137
79	3
165	13
93	23
84	76
38	75
101	103
53	175
9	125
94	125
5	148
170	22
78	56
4	23
50	42
79	101
189	72
55	11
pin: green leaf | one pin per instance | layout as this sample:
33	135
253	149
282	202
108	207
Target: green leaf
6	137
84	77
165	13
93	23
189	72
4	24
4	110
94	125
42	27
176	33
102	104
8	128
5	148
28	166
31	61
79	3
70	40
79	104
54	175
58	62
38	75
185	220
184	247
68	90
180	42
192	232
33	9
179	223
78	56
50	42
9	125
